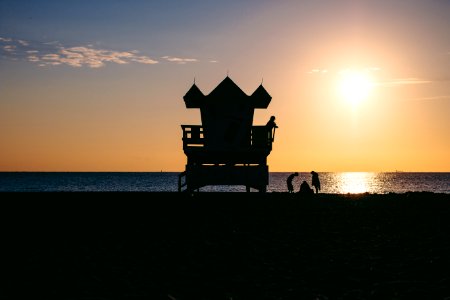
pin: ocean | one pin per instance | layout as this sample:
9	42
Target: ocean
331	182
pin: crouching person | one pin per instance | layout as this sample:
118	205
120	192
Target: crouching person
305	189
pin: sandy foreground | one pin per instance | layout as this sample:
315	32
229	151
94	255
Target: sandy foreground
225	246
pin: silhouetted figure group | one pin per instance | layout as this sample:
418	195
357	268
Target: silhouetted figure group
304	186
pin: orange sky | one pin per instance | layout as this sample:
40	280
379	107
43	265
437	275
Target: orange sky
68	106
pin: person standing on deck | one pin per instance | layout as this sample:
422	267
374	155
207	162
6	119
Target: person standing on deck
270	126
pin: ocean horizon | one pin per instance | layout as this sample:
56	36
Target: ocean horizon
331	182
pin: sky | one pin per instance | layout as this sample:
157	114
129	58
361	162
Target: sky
99	85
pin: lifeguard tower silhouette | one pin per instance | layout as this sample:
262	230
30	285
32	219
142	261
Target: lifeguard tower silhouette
226	149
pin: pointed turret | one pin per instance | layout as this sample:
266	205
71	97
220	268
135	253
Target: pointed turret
194	97
260	97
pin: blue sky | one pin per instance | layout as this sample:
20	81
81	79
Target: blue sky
208	30
160	27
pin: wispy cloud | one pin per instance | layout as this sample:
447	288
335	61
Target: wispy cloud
54	53
179	59
23	43
9	48
403	81
447	97
93	58
318	71
331	71
373	70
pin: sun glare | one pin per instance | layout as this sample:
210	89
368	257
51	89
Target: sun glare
354	86
354	182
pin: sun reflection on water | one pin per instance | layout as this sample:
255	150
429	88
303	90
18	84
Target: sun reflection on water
354	182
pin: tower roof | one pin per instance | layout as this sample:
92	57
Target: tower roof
261	97
194	97
226	92
227	88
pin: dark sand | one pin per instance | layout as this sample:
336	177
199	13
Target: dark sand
225	246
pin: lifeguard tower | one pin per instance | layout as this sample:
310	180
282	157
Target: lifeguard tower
226	149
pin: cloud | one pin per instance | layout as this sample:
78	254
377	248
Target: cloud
144	60
179	59
94	58
33	58
9	48
372	70
403	81
54	54
318	71
324	70
447	97
23	43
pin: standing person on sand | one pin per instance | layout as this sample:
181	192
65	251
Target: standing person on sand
315	181
289	182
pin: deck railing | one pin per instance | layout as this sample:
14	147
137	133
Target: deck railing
193	137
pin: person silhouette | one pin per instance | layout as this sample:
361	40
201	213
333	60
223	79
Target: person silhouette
271	123
289	182
315	181
305	189
270	126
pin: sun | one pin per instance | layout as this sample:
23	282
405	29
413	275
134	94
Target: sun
354	86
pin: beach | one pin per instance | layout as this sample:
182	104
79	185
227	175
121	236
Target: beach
225	246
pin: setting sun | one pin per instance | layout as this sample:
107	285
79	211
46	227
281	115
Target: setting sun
354	86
